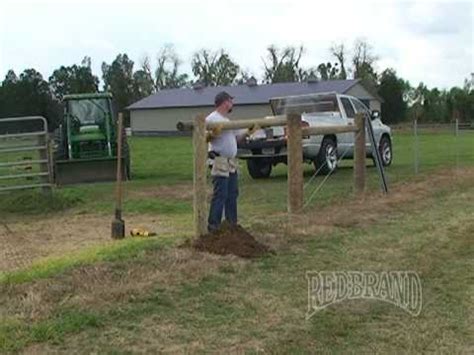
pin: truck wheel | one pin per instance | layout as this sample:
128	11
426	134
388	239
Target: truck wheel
326	161
259	168
385	150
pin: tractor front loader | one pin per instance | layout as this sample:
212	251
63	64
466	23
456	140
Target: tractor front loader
86	141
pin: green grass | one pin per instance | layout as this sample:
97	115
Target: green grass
161	160
204	304
36	202
122	249
262	304
167	161
14	336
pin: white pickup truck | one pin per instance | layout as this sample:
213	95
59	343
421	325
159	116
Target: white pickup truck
266	148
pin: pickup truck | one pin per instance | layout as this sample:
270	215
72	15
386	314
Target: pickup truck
267	148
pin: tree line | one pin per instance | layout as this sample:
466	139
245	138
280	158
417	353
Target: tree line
29	93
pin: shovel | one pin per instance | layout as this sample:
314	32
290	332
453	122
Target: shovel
118	224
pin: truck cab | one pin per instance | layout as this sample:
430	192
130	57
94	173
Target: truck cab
268	147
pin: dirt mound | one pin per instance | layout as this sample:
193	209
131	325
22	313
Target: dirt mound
230	239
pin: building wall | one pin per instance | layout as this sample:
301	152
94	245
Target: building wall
361	93
163	121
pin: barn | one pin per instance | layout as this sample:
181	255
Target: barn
158	114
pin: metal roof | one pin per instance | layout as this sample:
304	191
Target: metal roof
243	94
92	95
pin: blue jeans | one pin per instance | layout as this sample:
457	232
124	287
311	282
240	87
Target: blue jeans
224	198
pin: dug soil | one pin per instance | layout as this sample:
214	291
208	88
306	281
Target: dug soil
230	239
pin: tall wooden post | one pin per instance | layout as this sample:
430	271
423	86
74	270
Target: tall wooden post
199	178
359	154
295	164
118	224
416	145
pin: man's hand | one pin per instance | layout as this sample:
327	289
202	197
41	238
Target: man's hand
213	133
252	129
217	130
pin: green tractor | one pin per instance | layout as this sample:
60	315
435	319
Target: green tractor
86	141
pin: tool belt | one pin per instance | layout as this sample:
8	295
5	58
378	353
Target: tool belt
222	166
212	154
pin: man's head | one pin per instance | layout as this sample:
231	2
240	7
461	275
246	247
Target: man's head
223	102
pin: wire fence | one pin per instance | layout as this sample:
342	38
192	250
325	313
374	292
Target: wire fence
419	149
423	147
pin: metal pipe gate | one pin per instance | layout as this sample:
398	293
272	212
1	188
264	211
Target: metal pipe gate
15	141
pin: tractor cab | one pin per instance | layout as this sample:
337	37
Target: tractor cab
86	148
89	125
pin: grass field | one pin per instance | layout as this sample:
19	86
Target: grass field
148	295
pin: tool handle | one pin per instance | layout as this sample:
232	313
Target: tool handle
118	187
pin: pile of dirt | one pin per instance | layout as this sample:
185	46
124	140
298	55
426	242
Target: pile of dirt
230	239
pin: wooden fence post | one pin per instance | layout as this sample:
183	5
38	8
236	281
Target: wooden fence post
359	154
199	178
295	165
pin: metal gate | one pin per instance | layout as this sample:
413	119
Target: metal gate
25	154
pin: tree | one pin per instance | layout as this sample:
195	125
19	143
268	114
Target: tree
10	78
392	90
74	79
9	100
118	79
28	95
416	99
363	61
167	75
284	65
460	101
244	77
143	84
328	71
214	68
435	106
339	52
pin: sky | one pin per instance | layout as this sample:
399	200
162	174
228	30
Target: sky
424	41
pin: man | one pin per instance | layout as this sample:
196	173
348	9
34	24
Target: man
222	152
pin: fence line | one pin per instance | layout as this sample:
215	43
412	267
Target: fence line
294	151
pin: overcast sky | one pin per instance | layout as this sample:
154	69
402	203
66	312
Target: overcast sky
429	41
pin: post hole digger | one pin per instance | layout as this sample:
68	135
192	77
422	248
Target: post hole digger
118	224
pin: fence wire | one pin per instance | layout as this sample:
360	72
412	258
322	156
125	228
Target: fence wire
418	150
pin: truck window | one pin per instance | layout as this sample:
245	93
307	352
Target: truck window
359	106
350	113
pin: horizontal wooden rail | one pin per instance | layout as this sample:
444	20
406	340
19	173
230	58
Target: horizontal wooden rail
271	121
321	130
